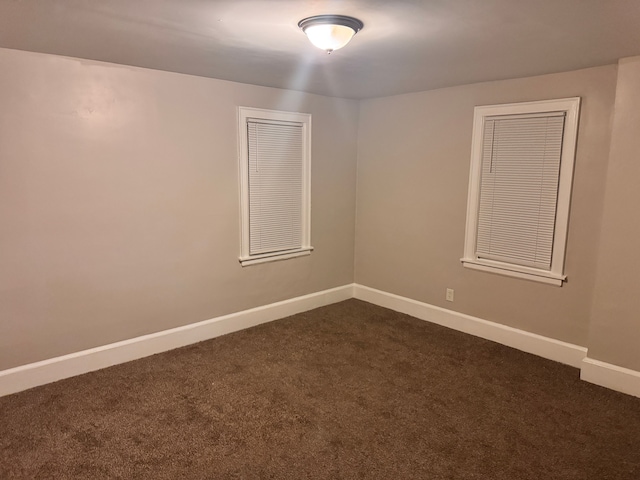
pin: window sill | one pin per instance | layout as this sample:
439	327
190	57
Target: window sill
274	256
516	271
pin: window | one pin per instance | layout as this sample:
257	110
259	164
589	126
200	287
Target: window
519	188
275	184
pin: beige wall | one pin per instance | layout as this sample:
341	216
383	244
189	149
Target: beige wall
119	203
413	173
615	326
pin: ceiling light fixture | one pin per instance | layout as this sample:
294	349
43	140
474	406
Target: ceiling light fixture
330	32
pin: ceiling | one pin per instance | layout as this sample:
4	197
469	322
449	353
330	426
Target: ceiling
405	46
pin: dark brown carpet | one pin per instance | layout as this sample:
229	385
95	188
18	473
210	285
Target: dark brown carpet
343	392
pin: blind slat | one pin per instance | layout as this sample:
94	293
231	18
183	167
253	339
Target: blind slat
275	186
519	189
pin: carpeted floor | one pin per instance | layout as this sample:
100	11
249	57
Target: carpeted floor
346	391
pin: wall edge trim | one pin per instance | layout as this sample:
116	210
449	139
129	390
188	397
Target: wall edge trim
31	375
610	376
601	373
545	347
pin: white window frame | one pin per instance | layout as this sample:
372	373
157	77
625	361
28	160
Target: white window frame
304	119
554	276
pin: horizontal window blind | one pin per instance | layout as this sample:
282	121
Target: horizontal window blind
275	186
519	188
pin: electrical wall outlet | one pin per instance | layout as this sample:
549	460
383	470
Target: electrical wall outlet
449	294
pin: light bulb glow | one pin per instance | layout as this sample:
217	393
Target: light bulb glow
329	37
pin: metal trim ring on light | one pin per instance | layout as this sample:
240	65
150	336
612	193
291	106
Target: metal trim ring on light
353	23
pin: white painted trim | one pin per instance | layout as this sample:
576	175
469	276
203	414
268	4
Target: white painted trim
545	347
502	269
274	257
54	369
611	376
571	107
39	373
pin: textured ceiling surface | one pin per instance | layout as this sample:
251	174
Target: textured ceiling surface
405	46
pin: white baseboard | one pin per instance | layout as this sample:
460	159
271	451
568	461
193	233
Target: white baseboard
611	376
54	369
545	347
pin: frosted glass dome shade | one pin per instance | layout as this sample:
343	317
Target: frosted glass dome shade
329	37
330	32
